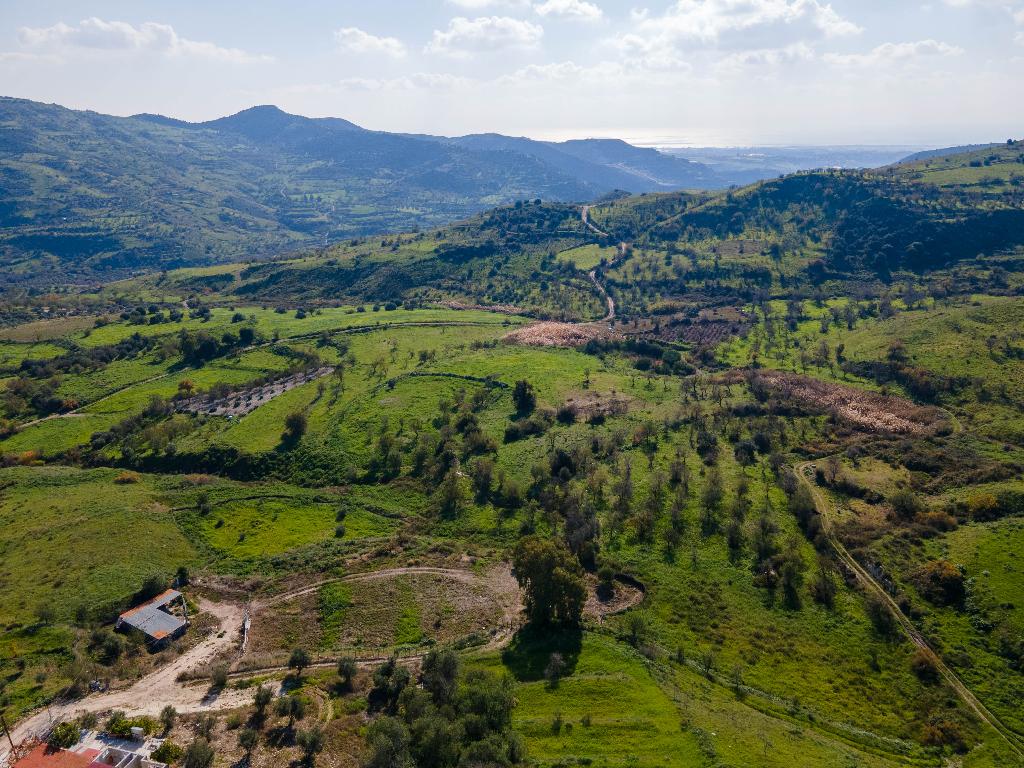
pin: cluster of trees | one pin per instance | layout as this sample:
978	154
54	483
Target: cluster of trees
151	315
33	391
448	719
198	347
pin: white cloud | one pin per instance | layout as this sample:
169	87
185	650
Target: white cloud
487	33
708	20
756	27
120	36
574	9
891	53
434	81
355	40
563	71
764	58
479	5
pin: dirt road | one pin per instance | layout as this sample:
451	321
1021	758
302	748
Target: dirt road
804	472
592	274
153	692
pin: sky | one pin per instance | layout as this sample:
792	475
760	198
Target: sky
661	72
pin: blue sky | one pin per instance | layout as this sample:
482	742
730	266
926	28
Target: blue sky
715	72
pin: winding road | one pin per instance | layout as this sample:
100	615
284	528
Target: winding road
592	274
804	473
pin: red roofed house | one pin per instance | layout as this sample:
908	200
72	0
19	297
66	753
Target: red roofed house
45	756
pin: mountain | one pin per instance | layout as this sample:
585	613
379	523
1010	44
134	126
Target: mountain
608	163
87	196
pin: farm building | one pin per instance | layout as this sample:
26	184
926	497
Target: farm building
156	618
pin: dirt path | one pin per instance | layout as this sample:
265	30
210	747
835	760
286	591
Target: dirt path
153	692
804	472
592	274
499	581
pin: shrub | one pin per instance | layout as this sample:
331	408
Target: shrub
923	665
168	752
64	736
219	675
198	755
906	504
940	582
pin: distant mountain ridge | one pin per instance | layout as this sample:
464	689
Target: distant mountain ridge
935	154
89	194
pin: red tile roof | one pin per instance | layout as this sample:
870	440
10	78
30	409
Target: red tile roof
45	757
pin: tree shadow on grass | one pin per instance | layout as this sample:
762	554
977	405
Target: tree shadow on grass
528	654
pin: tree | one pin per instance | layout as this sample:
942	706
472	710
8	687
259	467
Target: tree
823	587
199	754
167	717
248	739
524	398
295	424
555	669
262	698
389	680
298	661
311	743
451	499
168	752
791	573
291	707
388	741
347	669
551	579
638	628
439	674
906	504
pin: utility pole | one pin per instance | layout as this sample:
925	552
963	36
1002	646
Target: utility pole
7	730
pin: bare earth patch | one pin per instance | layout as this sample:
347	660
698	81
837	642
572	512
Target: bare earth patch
383	609
590	403
626	596
550	334
870	410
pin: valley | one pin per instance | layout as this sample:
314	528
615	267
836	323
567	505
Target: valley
676	478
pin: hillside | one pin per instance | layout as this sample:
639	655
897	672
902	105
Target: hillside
832	230
686	479
86	195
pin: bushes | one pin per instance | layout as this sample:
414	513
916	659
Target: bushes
168	752
537	424
466	721
941	583
923	666
64	736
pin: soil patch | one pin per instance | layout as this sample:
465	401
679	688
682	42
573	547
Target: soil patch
869	410
550	334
